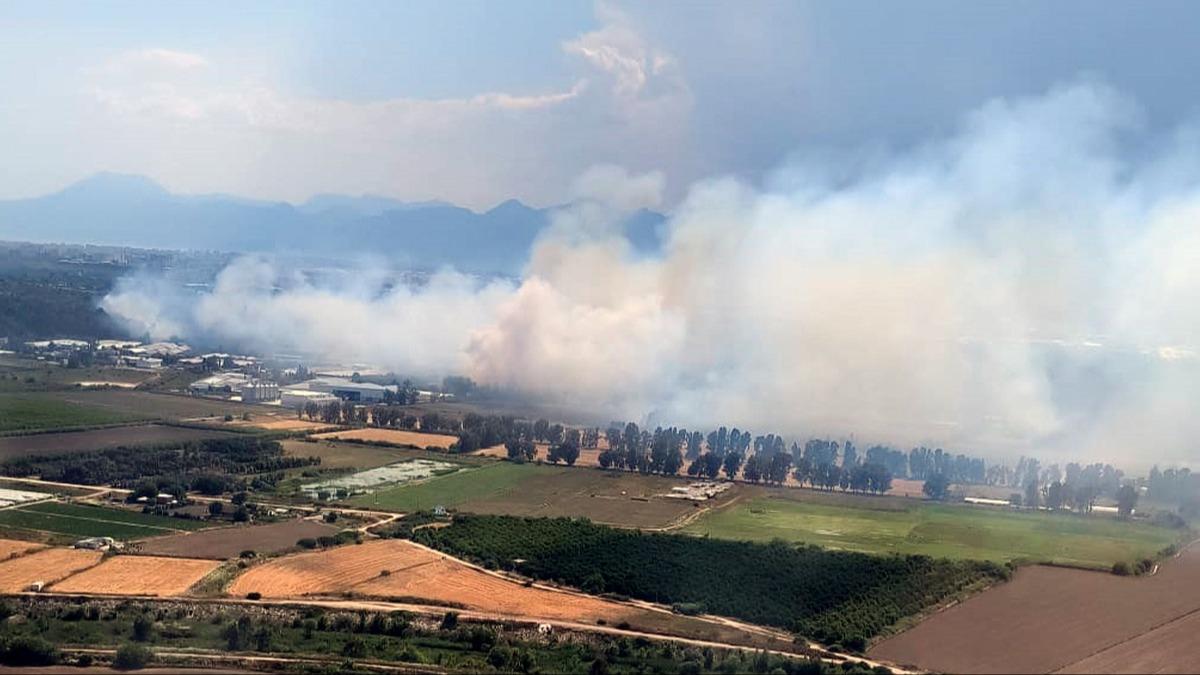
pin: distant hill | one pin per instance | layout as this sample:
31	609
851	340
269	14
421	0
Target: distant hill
127	210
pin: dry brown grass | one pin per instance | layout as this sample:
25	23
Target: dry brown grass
396	568
139	575
322	572
394	436
48	566
11	548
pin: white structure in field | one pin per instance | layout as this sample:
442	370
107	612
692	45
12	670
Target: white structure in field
298	398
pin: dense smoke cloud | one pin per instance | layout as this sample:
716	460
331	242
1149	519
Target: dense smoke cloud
1028	284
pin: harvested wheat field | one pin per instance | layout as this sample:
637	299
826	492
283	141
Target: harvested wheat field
415	439
1050	618
400	569
139	575
323	572
428	574
47	566
281	424
11	548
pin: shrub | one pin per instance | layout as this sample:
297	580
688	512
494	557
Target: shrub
143	628
28	651
254	595
248	553
1121	568
132	657
307	542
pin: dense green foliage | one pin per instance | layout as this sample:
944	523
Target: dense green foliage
831	596
182	462
457	646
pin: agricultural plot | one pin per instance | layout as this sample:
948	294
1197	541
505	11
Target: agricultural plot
46	566
138	575
624	499
229	542
1049	618
10	496
401	437
33	412
372	479
11	548
161	406
92	521
13	447
401	571
950	531
353	455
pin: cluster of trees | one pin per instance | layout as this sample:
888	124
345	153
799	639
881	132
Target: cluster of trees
1179	487
635	449
393	637
1078	487
175	464
831	596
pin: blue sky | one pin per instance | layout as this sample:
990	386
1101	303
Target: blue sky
475	101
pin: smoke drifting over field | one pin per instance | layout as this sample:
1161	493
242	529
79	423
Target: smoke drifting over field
1028	284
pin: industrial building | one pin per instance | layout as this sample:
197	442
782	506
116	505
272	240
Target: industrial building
260	391
345	389
298	398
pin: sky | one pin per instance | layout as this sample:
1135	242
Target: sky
476	102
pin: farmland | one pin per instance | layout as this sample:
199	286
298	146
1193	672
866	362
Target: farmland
11	548
31	412
541	490
409	573
47	565
229	542
828	596
138	575
1062	619
875	525
400	437
12	447
353	455
92	521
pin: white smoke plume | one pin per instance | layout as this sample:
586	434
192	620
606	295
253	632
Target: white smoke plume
1029	284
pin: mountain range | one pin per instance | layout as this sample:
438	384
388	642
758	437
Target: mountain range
130	210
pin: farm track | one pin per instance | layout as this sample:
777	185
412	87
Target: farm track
470	615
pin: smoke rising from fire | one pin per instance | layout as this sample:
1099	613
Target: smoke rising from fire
1030	283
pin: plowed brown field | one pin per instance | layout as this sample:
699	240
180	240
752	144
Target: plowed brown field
138	575
395	436
433	576
11	548
1050	618
415	572
48	565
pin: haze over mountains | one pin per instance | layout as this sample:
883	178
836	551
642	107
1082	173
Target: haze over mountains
120	209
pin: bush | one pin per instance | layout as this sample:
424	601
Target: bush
1121	568
143	628
307	542
132	657
248	553
254	595
28	651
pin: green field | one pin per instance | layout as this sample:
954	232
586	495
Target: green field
93	521
456	489
32	412
940	530
503	488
